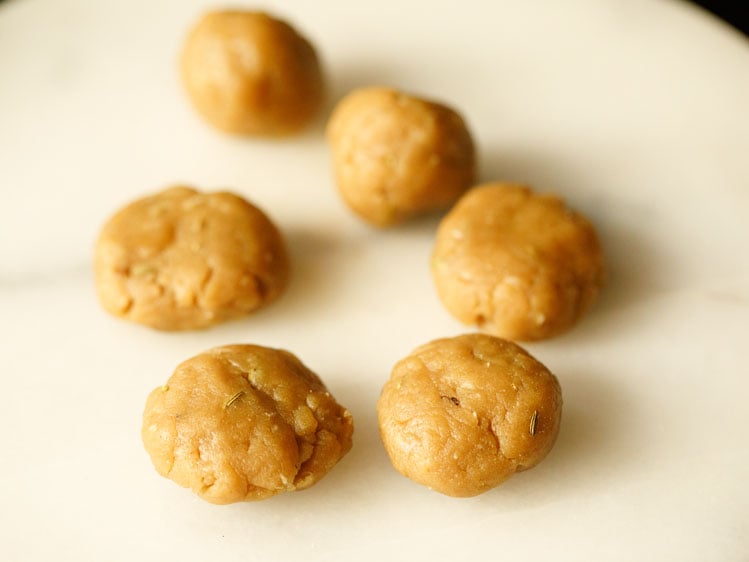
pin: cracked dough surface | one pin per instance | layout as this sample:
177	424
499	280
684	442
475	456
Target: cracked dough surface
249	73
520	265
457	414
243	423
182	259
396	155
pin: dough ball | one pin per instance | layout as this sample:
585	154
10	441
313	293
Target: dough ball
520	265
251	74
396	156
182	259
243	423
461	415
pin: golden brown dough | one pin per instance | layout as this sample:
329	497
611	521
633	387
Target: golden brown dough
243	423
249	73
181	259
520	265
461	415
396	156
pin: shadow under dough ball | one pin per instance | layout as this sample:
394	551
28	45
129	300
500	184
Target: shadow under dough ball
520	265
243	423
249	73
181	260
461	415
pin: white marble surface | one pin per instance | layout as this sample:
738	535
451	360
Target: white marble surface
635	111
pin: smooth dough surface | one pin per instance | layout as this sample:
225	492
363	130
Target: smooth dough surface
461	415
249	73
396	156
520	265
243	423
182	260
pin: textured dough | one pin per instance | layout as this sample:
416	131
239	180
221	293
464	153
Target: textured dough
519	265
181	259
243	423
251	74
463	414
396	156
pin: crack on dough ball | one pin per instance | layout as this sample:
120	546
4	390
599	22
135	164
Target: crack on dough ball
250	73
182	260
461	415
519	265
243	423
396	156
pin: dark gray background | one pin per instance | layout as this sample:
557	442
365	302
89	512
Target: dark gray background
734	12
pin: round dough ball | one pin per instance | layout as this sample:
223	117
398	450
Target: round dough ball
461	415
181	260
396	156
519	265
243	423
251	74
